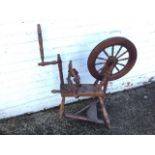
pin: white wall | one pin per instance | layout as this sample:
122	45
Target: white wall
25	87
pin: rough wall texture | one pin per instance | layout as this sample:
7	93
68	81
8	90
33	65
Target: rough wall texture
26	87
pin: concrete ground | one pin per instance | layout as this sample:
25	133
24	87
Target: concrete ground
131	112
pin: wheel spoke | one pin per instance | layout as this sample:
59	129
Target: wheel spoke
100	58
117	68
123	59
118	51
106	53
112	50
121	64
122	54
99	63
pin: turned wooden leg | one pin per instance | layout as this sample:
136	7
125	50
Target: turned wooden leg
62	107
104	112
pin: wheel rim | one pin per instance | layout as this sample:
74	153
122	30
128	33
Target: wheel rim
117	47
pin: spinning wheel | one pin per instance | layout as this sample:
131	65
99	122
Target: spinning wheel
119	50
109	60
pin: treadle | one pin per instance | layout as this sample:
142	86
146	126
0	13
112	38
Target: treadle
90	114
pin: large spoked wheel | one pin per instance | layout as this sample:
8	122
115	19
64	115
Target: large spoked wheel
118	48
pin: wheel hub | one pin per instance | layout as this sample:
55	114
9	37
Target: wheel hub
112	61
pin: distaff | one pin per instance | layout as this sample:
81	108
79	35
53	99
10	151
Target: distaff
40	40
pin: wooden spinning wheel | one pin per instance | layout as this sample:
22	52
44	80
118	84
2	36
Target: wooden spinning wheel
109	60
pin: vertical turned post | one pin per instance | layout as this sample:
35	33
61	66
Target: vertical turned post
40	39
62	107
60	69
